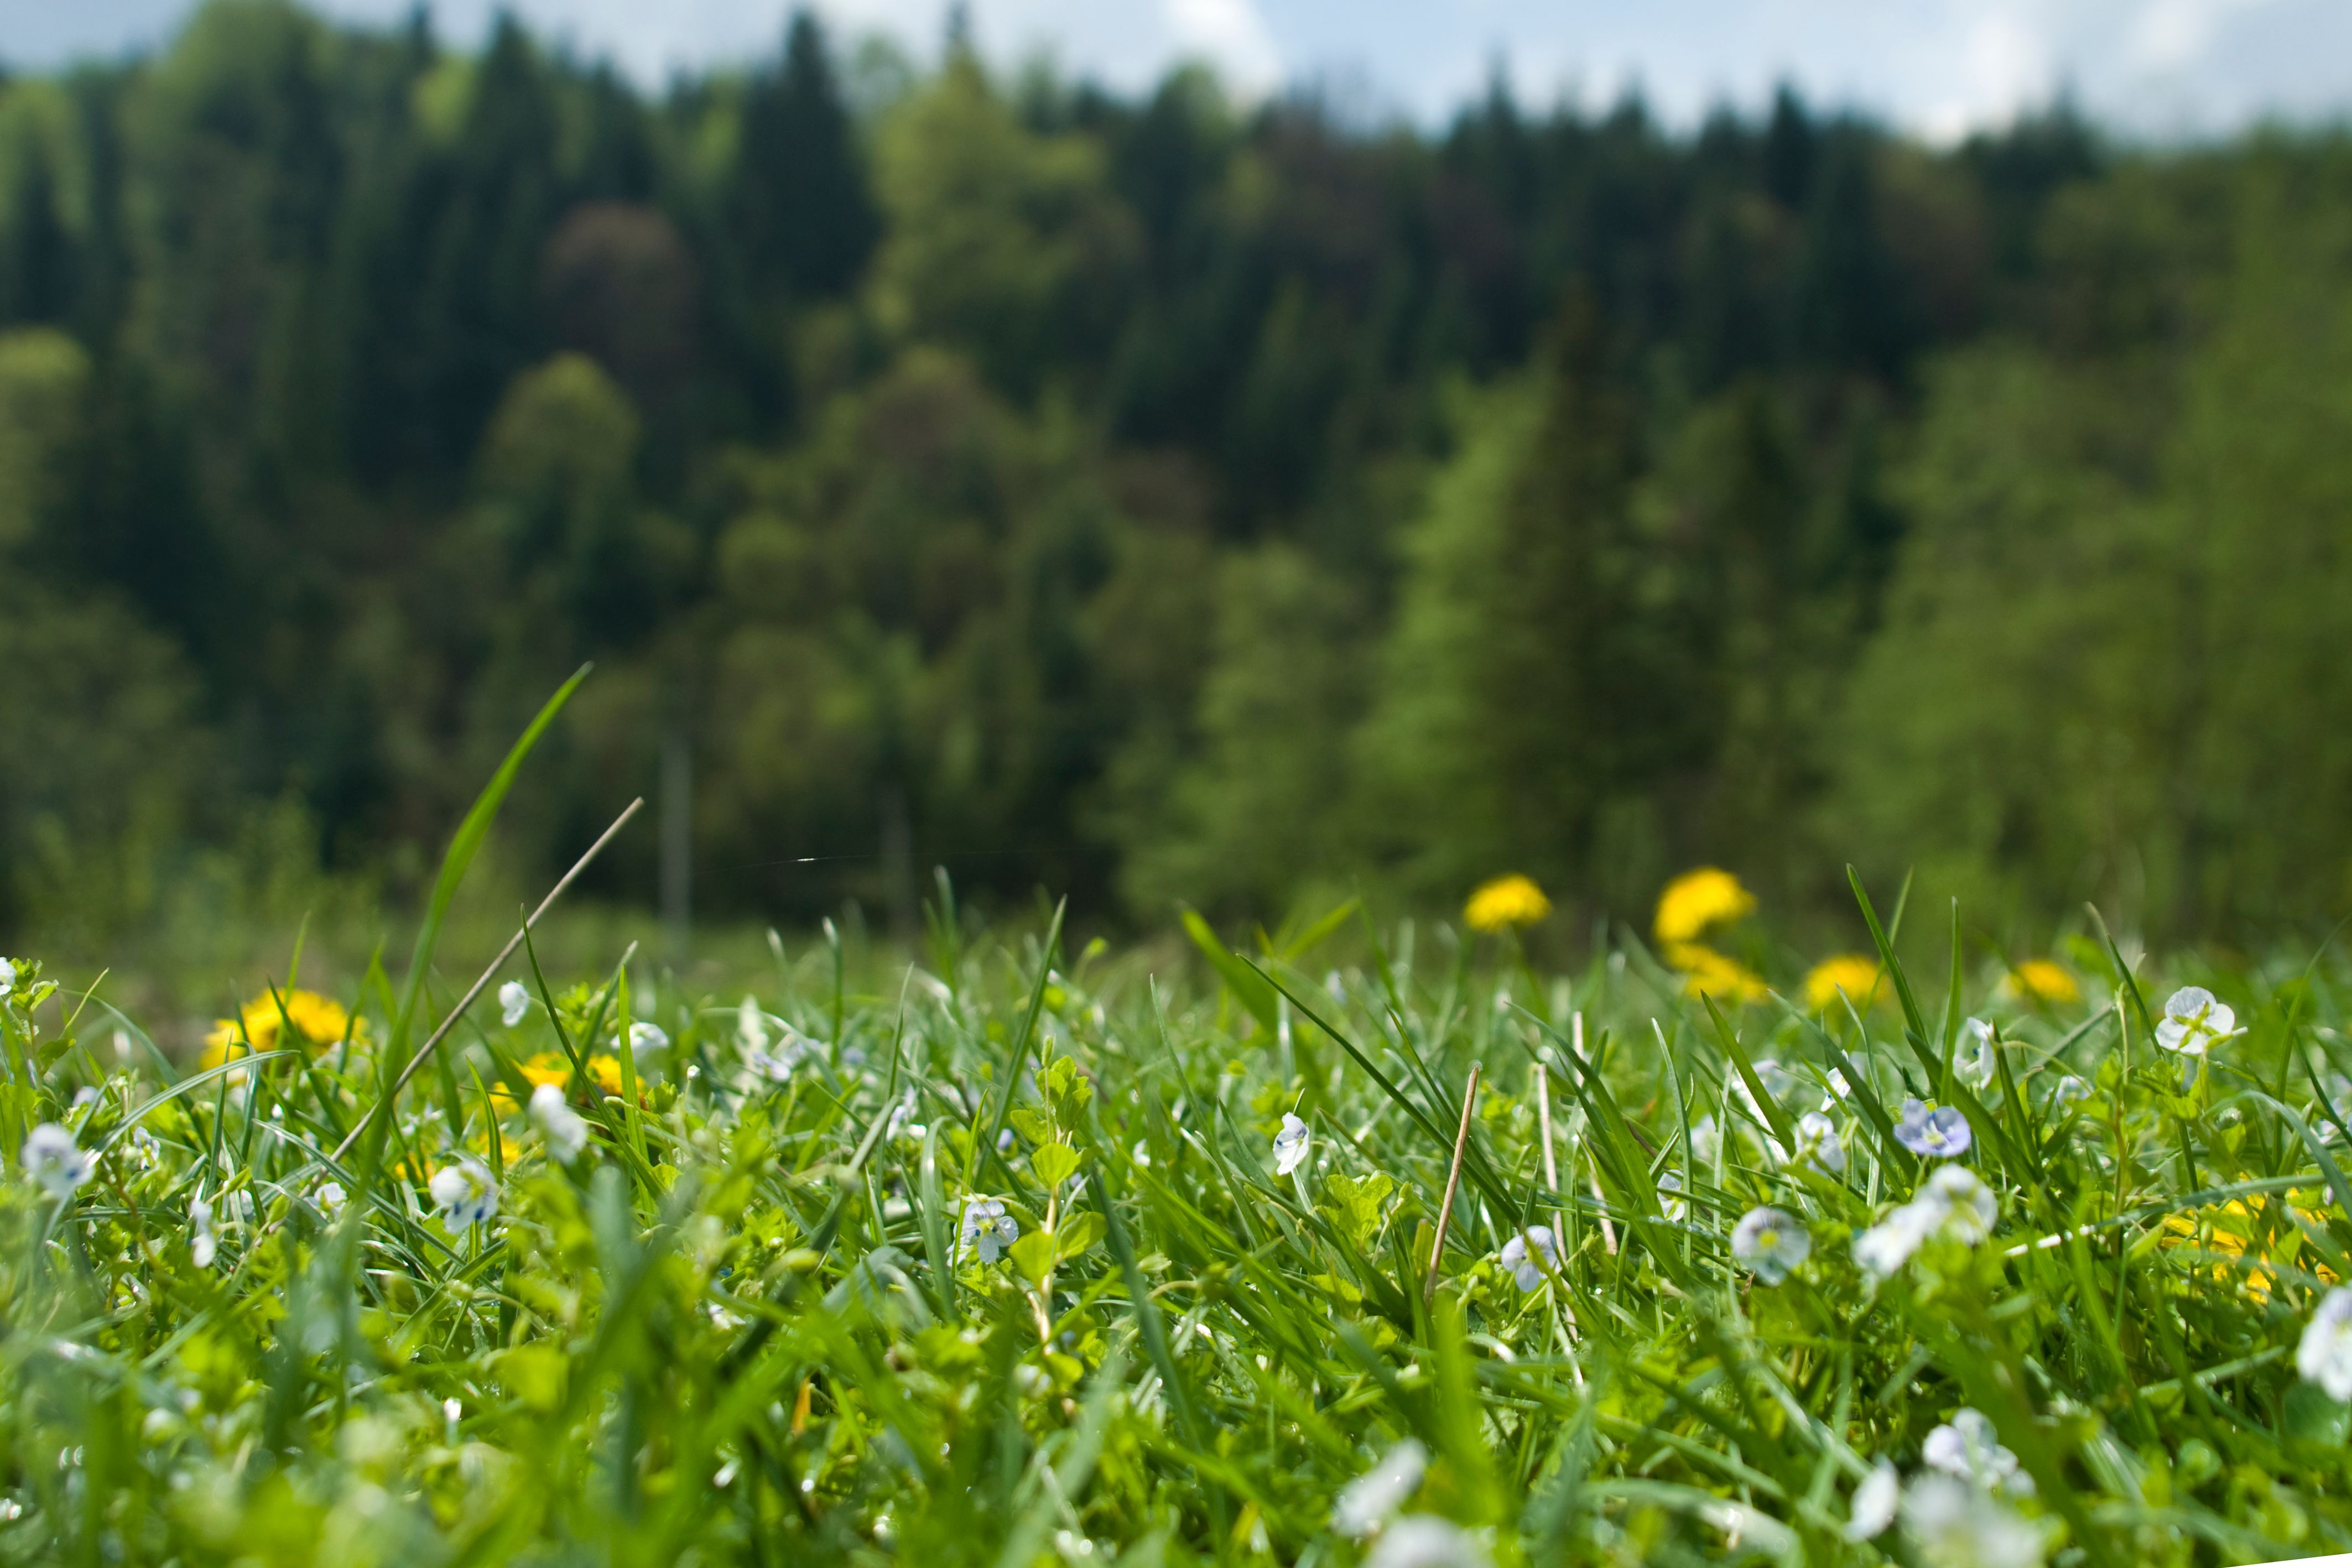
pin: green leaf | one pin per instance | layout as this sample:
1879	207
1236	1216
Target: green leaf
534	1375
1034	1255
1251	989
1052	1164
2309	1416
1077	1232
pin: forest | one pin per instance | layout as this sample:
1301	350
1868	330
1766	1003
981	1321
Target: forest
1154	498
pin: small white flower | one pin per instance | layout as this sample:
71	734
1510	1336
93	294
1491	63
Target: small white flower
565	1133
203	1245
1954	1205
1970	1208
1705	1140
2070	1089
1838	1088
1874	1502
54	1162
1818	1142
8	977
1885	1246
466	1192
902	1120
1941	1134
2195	1021
1370	1500
750	1027
514	1002
1976	1057
329	1196
1142	1152
1968	1448
2325	1354
987	1228
1670	1190
1424	1540
1527	1269
1770	1243
645	1037
1290	1145
1956	1525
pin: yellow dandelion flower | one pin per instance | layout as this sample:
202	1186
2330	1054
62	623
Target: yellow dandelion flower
1506	901
549	1066
1848	973
1707	972
319	1022
1697	900
606	1072
2232	1225
2039	981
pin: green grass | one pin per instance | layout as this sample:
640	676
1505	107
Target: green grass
740	1326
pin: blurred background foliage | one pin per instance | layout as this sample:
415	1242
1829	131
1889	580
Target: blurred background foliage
1153	497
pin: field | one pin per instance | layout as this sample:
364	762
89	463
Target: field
1007	1254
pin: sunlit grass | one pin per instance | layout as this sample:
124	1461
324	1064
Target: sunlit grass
1010	1255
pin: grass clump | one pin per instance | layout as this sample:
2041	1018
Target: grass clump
1011	1257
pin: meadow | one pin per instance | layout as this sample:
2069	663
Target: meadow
1365	1241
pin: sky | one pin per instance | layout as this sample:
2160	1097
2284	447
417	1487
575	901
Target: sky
1939	68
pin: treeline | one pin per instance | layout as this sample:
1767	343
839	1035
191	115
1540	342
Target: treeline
1158	497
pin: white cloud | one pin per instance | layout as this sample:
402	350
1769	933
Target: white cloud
1233	36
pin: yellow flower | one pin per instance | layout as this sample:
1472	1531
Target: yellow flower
1699	899
2039	981
1848	973
548	1067
1506	901
2233	1225
605	1072
1707	972
319	1022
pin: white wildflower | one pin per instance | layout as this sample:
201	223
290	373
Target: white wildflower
1770	1243
1705	1140
1670	1191
1975	1058
1874	1502
54	1162
2195	1021
466	1192
1956	1525
1940	1133
902	1120
987	1228
203	1243
1529	1271
646	1037
2325	1354
1885	1246
2070	1089
329	1195
1968	1448
557	1122
1970	1210
1370	1500
514	1002
1290	1144
1818	1143
1424	1540
750	1028
1954	1205
8	977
